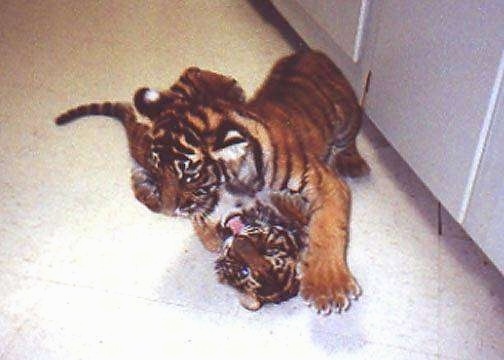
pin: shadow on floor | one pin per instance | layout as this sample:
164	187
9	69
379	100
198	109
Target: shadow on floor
454	240
272	16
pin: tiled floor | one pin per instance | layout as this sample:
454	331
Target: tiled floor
87	273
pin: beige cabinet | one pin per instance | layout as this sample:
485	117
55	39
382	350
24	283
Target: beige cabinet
436	92
343	20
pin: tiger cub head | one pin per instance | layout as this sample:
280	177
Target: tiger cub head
197	144
194	86
261	263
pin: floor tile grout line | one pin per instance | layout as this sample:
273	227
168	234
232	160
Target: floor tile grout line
438	309
88	287
158	301
99	290
17	330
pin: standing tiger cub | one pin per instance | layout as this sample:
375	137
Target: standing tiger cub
295	137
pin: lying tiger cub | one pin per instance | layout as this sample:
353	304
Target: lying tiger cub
261	263
261	254
296	136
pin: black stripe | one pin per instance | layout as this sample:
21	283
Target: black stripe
191	136
326	101
258	151
307	113
341	93
201	114
348	131
291	96
228	143
114	109
288	172
95	108
318	174
182	148
107	108
126	113
184	79
175	153
300	146
258	159
223	131
224	171
298	138
274	164
304	157
193	90
193	166
304	178
182	124
168	155
180	90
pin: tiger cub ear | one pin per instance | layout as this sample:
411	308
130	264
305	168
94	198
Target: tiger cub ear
214	85
150	102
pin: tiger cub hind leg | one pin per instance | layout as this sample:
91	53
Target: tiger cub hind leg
145	189
348	161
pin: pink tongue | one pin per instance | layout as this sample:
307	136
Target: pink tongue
235	224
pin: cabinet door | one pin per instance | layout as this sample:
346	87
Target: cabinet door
485	214
434	65
343	20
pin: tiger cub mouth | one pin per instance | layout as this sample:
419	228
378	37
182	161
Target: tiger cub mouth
235	224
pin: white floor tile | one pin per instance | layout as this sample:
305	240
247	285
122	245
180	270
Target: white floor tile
471	302
87	272
70	323
18	296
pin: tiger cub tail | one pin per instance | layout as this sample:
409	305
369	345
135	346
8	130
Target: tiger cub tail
136	127
121	111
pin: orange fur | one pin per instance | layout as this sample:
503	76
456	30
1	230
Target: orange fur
312	114
301	123
208	234
295	137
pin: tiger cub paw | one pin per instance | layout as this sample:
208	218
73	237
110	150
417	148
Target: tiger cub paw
349	162
351	166
327	287
145	189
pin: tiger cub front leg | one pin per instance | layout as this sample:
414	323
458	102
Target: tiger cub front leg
326	281
145	189
207	233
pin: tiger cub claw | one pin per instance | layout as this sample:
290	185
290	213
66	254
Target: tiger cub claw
329	290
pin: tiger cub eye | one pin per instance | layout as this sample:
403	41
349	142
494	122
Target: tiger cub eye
244	272
271	252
